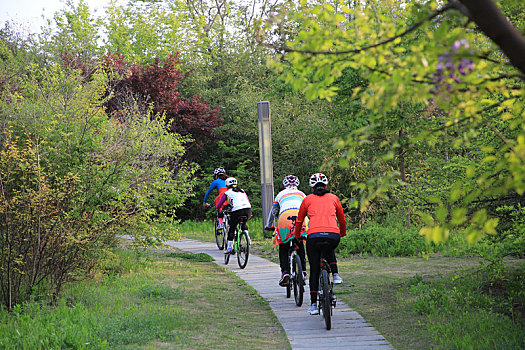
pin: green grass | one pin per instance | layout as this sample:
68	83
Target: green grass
444	300
198	257
204	230
171	299
458	303
446	312
162	299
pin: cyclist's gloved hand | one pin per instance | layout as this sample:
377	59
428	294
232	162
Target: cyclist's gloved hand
269	228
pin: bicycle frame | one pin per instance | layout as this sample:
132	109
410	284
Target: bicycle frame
291	257
222	232
242	251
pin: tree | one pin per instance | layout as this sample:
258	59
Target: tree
446	58
159	83
71	178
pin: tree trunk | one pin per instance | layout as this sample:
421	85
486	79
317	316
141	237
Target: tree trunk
402	171
489	18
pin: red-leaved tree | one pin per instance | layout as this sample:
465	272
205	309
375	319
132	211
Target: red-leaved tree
159	84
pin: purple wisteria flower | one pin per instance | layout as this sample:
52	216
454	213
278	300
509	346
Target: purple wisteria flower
453	64
460	43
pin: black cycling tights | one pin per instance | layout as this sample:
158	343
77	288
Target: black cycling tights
314	257
234	221
283	256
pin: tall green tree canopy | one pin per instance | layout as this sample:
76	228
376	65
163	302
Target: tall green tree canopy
462	64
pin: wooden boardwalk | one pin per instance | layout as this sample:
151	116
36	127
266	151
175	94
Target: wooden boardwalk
349	330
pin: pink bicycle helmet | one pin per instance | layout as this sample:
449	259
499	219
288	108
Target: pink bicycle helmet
291	181
218	171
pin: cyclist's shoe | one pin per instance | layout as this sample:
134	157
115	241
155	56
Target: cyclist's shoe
285	277
313	310
229	249
337	279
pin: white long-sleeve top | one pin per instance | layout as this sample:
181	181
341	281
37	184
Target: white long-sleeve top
289	198
238	200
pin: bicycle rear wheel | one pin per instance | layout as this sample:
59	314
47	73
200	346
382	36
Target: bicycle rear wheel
298	285
244	249
324	300
219	236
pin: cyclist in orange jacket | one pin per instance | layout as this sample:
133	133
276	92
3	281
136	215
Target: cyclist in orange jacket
322	208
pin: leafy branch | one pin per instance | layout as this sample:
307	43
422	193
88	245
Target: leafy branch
410	29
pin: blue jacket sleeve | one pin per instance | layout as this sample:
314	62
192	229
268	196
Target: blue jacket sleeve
212	186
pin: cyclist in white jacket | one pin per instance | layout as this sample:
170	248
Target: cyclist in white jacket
240	207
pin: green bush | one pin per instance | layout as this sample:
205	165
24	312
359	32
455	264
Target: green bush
72	178
511	230
380	240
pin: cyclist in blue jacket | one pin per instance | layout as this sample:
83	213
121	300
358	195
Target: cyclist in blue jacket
219	184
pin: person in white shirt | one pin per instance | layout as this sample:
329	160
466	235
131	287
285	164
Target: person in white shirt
240	207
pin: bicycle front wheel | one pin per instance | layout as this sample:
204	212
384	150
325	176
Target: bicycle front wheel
219	236
298	285
324	300
244	249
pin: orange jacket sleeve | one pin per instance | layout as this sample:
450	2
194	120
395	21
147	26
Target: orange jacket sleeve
340	218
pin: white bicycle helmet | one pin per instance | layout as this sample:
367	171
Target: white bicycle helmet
291	181
218	171
231	181
318	178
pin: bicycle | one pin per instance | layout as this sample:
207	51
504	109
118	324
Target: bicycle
296	280
241	243
296	270
222	234
327	300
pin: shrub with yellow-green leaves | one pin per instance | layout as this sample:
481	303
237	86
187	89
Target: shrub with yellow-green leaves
71	178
